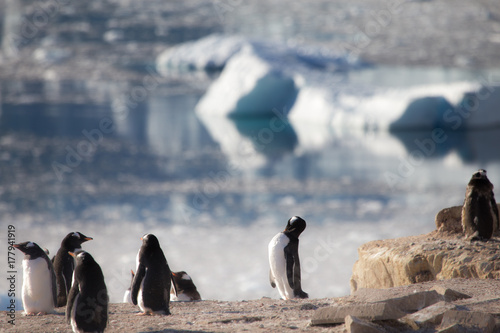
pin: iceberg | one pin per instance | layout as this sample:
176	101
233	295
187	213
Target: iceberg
209	53
372	108
249	86
312	85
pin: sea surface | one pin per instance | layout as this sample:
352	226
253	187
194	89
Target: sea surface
95	138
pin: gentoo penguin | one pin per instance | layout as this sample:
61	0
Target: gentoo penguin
127	297
87	308
64	264
39	292
183	288
480	211
284	260
151	284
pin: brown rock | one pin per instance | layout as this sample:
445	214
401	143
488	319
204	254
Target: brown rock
455	328
449	220
429	316
410	301
472	321
357	325
434	256
449	295
371	311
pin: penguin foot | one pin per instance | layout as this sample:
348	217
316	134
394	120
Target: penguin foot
478	239
144	314
301	294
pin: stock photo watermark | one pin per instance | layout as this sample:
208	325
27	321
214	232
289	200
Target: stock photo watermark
86	147
11	272
211	188
453	119
32	25
373	28
223	7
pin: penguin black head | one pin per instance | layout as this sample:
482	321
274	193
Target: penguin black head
480	181
30	249
480	174
150	240
74	240
181	275
295	226
82	258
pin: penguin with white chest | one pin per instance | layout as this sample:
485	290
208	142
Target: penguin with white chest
39	281
284	260
152	280
480	212
64	264
87	307
127	296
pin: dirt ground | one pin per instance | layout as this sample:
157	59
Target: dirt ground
262	315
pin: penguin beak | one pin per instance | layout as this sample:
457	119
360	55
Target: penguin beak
17	246
72	254
88	238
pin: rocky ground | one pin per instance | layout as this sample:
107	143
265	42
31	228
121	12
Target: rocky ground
263	315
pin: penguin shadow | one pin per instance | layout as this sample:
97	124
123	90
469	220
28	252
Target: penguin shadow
482	242
174	331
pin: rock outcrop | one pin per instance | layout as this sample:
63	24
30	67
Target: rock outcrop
442	254
424	307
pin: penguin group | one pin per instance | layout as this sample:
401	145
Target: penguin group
75	280
72	279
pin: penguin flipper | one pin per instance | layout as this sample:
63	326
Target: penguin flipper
271	279
61	290
167	282
73	293
496	221
293	269
136	282
297	289
54	287
289	262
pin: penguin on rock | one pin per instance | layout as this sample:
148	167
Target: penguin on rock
183	288
87	307
152	280
39	294
480	211
64	264
284	260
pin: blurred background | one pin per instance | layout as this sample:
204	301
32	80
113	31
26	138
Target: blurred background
211	123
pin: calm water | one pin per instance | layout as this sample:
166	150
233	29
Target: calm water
215	191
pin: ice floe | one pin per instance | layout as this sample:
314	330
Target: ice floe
316	86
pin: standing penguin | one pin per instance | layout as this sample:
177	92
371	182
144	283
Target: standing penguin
64	264
183	288
87	308
39	281
284	260
127	296
151	284
480	211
